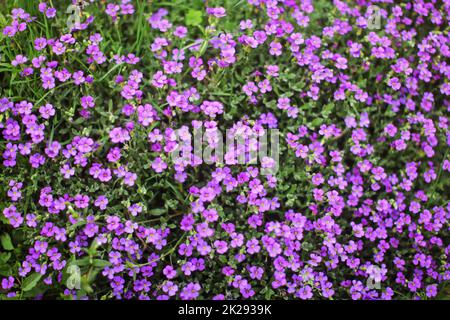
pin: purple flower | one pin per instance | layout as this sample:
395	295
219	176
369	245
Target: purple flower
218	12
159	165
191	291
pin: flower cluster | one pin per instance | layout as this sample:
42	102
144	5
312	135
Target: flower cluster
91	114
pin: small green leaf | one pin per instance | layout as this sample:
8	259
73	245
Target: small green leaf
6	242
85	285
82	262
101	263
326	111
157	211
31	281
316	122
193	17
307	246
4	257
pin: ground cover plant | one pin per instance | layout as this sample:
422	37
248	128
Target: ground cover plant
97	97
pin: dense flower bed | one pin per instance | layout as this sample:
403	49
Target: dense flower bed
96	97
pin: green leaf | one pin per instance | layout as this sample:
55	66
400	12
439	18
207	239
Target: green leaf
193	17
157	211
297	86
6	242
316	122
82	262
101	263
85	286
31	281
5	270
326	111
4	257
307	246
